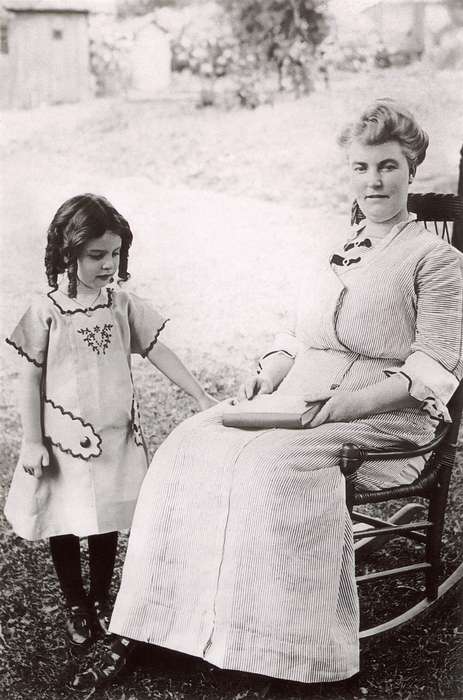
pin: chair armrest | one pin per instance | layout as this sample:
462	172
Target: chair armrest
353	456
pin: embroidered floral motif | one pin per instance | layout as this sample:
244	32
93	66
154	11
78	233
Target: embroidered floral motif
97	338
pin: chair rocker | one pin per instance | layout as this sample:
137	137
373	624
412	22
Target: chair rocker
419	522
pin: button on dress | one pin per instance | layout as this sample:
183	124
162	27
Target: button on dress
241	549
89	411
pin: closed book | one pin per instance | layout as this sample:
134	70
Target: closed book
271	411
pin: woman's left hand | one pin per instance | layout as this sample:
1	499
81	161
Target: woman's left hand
341	407
205	401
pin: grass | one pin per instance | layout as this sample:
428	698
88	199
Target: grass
227	209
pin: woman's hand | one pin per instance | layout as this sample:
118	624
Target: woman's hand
341	407
34	456
391	394
257	384
205	401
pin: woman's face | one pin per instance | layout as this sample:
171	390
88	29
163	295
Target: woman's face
380	178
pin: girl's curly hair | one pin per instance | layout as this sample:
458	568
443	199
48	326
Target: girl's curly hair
387	120
81	219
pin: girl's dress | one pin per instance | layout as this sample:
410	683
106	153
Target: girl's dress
89	411
241	547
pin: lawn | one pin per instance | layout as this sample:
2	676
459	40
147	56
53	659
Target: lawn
227	209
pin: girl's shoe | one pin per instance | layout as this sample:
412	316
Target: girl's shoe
109	667
102	609
78	626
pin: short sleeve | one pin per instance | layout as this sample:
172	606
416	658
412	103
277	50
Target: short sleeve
30	337
434	367
145	324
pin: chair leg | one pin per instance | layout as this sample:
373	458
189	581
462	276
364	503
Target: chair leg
366	546
434	542
350	490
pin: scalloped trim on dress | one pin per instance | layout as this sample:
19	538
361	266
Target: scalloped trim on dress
83	310
154	341
23	353
85	425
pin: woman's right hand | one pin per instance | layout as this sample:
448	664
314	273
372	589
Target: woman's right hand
257	384
34	456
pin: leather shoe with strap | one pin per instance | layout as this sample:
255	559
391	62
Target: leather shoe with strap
108	668
78	626
102	610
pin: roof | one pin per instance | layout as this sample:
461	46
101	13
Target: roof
47	5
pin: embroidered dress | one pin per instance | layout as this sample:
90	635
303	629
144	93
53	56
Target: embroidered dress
241	547
90	415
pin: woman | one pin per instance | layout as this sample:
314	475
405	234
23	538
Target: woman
241	548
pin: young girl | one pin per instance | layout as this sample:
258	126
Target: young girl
83	456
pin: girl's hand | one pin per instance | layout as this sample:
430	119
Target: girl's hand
206	401
34	456
257	384
343	406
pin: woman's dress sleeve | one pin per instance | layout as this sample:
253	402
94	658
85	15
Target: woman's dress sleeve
285	342
145	324
434	367
30	337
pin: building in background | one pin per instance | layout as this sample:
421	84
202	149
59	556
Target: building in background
406	27
44	52
149	57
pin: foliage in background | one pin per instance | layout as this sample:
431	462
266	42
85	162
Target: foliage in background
136	8
281	36
109	56
260	46
242	52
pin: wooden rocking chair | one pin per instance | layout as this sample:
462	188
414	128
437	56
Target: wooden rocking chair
413	521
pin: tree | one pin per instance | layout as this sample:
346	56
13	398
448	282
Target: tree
284	33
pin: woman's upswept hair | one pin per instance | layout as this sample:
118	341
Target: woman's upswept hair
81	219
386	120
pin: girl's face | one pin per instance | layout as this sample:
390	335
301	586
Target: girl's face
99	260
380	178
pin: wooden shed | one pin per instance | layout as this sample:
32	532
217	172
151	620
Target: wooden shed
44	52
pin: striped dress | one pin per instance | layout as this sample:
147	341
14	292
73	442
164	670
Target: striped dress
241	548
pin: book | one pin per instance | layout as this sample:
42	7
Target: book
271	411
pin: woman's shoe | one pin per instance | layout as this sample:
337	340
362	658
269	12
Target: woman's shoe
109	667
102	609
78	626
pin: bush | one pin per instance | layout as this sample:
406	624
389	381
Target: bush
109	56
449	54
260	47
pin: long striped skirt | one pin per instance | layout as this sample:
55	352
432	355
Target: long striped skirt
241	549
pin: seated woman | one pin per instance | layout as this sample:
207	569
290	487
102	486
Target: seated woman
241	549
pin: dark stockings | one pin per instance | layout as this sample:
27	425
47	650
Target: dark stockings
65	552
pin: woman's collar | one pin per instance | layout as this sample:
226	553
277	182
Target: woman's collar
399	226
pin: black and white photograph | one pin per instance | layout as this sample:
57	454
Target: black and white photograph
231	368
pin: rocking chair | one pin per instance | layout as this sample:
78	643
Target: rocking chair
413	521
